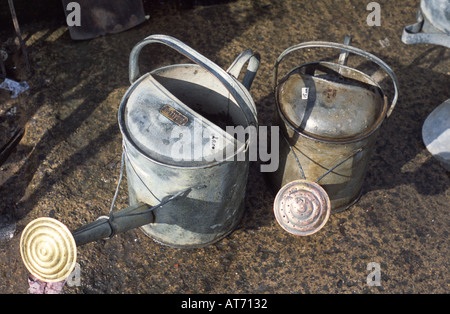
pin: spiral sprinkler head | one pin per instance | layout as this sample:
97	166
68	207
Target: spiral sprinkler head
48	249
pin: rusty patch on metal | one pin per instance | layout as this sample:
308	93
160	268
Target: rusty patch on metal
329	94
173	115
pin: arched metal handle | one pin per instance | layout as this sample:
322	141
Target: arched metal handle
354	50
236	67
241	96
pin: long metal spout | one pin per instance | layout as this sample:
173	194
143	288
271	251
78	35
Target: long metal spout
49	249
106	227
126	219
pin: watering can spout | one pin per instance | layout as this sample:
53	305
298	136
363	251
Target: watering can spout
49	249
107	226
126	219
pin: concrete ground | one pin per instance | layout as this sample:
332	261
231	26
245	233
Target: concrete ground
67	165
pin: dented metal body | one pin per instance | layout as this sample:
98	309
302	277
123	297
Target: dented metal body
157	108
329	116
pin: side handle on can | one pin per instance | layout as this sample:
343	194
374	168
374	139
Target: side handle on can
344	48
236	67
241	96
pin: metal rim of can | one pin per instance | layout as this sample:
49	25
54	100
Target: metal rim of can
302	207
348	49
127	139
237	90
376	125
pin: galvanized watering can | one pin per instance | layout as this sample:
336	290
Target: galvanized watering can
184	191
329	115
433	27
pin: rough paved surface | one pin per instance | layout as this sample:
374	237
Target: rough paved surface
67	164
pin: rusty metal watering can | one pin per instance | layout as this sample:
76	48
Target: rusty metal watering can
329	115
184	191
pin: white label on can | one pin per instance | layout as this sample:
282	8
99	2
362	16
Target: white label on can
305	92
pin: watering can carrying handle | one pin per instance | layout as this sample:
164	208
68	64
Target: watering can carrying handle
242	98
346	48
253	60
